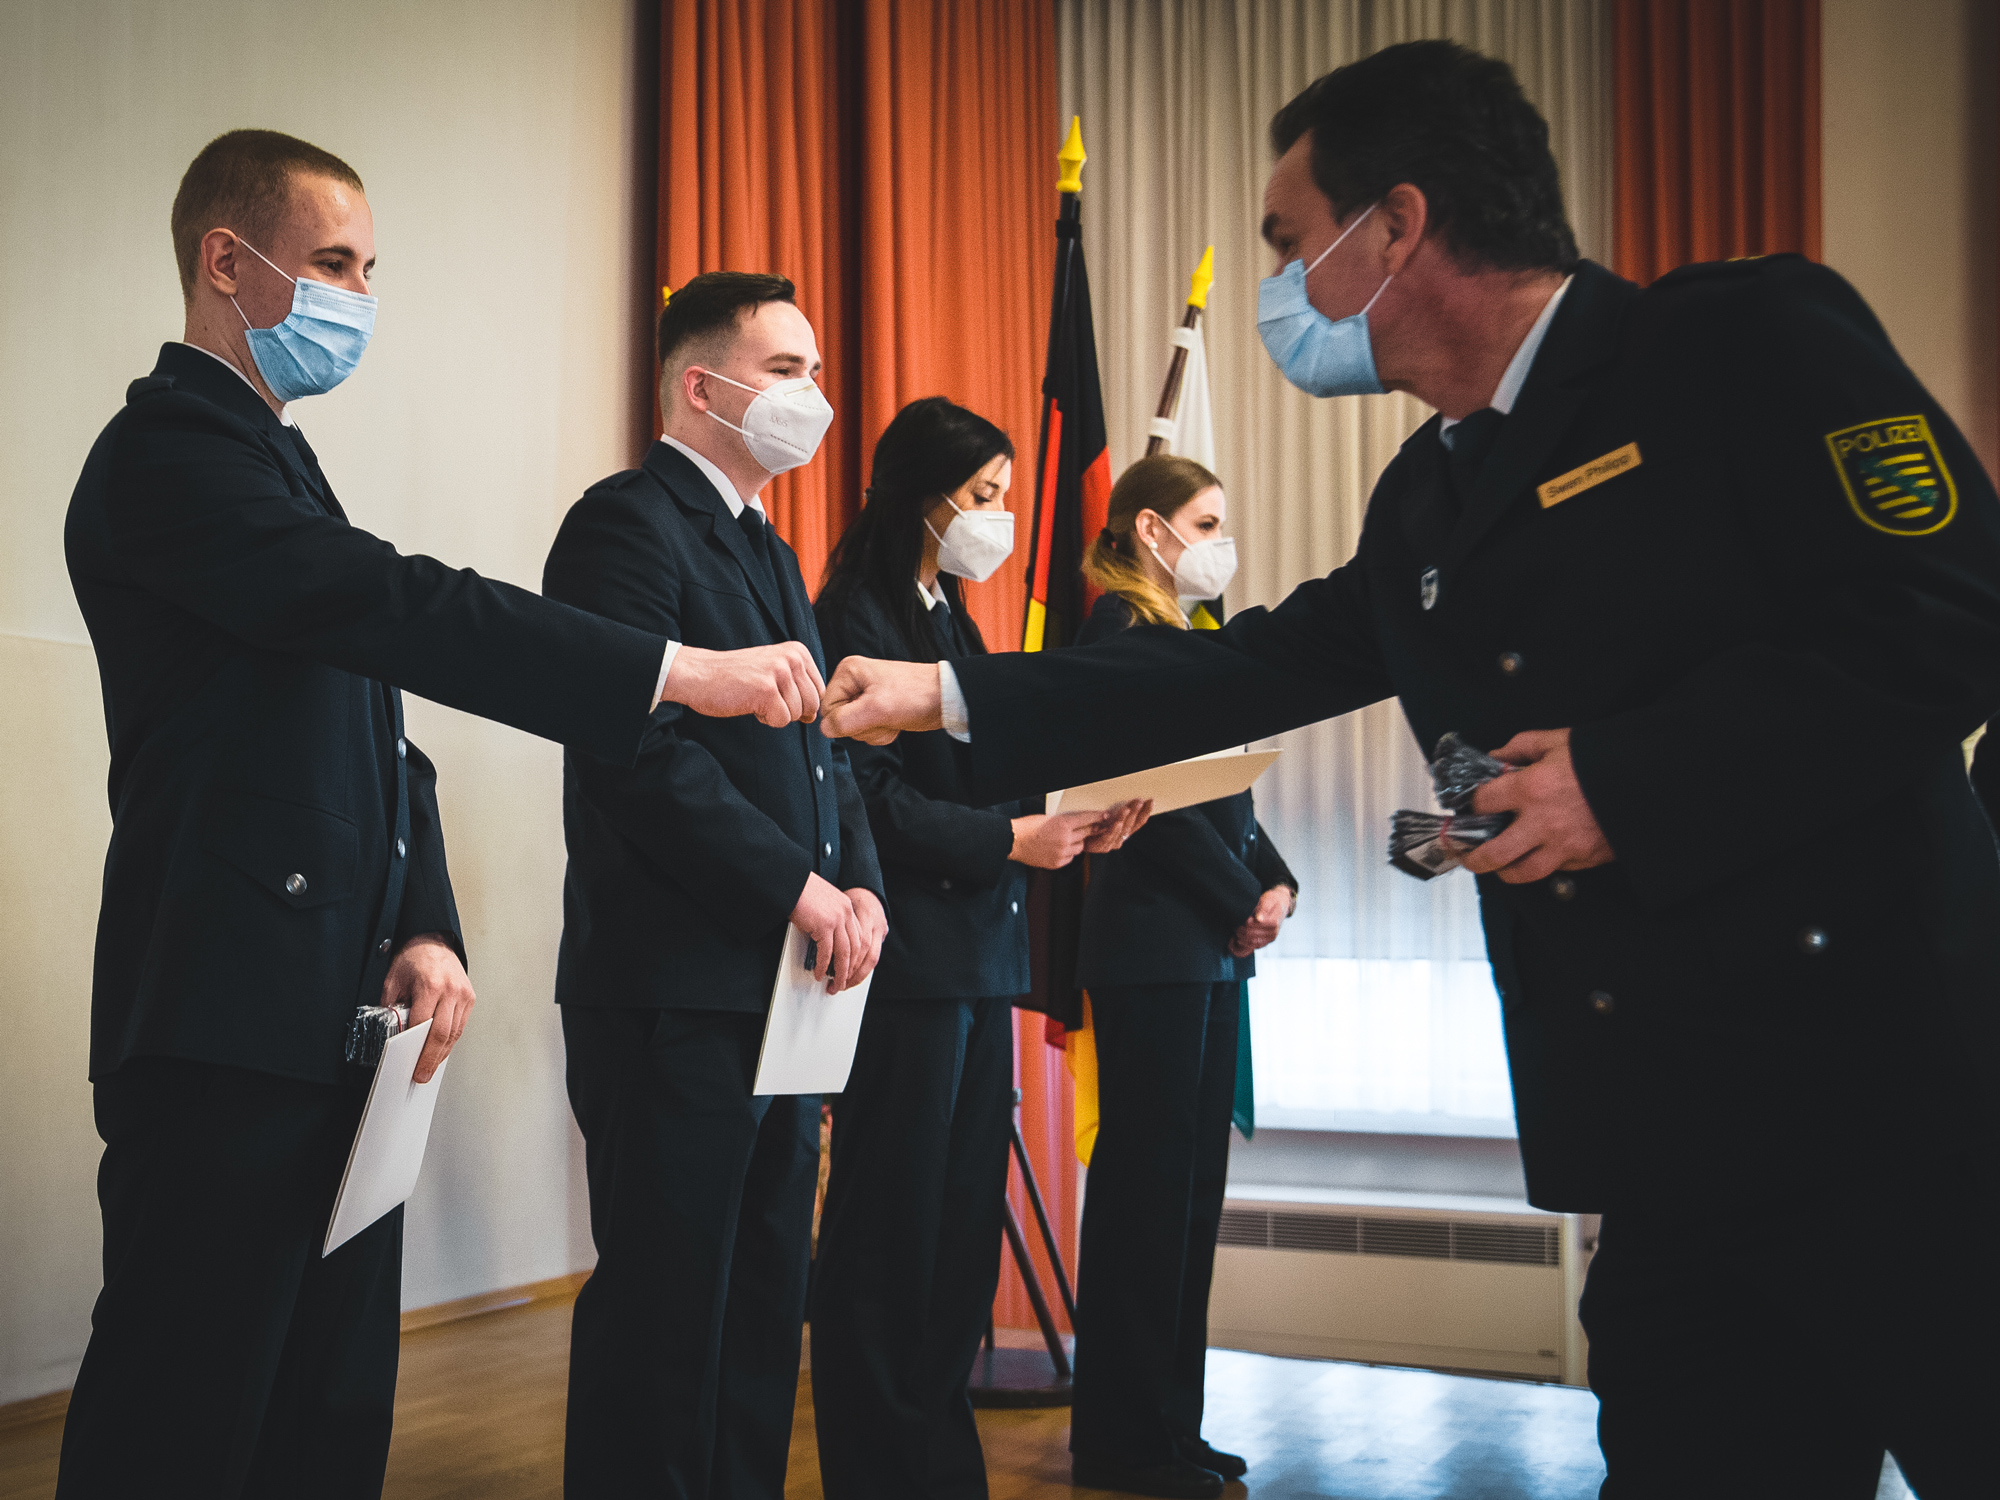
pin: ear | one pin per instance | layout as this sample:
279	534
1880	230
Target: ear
695	388
1406	212
1149	528
216	261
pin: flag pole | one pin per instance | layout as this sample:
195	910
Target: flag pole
1170	394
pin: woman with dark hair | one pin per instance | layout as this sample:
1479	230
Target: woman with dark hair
1169	927
909	1240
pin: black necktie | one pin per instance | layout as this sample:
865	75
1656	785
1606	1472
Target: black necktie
1471	440
941	627
757	534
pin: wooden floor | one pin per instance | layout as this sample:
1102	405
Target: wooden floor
480	1405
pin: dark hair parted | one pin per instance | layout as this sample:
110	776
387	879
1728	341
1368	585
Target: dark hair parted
242	182
701	316
930	448
1455	125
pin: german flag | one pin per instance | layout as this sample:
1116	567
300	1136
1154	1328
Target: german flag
1072	504
1072	461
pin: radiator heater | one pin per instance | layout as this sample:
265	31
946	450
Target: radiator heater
1445	1283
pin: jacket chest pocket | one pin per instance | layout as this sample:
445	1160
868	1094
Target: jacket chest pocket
305	856
713	614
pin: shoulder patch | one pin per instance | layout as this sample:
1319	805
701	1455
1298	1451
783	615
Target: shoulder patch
1894	476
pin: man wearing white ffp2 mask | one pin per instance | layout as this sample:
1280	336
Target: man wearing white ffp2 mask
685	869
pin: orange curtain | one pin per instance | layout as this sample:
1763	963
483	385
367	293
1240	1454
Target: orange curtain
896	159
1717	135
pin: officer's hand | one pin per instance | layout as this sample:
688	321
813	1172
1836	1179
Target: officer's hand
825	914
1122	821
874	701
779	684
1553	828
874	928
1260	929
427	976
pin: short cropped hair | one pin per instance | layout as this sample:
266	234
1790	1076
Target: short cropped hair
1455	125
243	181
700	319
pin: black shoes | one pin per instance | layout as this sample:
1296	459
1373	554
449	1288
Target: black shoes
1197	1452
1178	1480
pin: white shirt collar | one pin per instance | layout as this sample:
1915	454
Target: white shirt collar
284	412
931	601
1516	376
715	477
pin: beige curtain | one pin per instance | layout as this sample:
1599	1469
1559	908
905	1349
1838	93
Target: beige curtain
1375	1010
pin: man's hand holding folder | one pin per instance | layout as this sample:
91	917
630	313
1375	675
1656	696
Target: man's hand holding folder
845	929
428	977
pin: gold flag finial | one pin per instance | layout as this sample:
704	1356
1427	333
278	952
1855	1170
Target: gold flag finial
1071	158
666	296
1204	278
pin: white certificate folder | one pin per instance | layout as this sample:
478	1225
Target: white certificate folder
1172	787
388	1149
810	1035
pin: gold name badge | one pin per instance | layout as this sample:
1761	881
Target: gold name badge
1576	481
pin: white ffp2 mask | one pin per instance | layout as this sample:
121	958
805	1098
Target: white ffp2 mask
784	423
975	543
1204	568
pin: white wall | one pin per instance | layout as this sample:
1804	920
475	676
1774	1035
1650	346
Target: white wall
500	149
1910	103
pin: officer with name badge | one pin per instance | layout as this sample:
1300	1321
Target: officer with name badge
1711	570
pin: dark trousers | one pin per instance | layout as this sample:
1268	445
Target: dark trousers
909	1249
684	1349
1166	1075
228	1359
1776	1354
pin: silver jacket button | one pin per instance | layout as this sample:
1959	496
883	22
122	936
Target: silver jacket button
819	773
402	749
1812	940
1563	888
829	851
296	884
944	885
383	946
1014	907
1511	663
1601	1002
400	850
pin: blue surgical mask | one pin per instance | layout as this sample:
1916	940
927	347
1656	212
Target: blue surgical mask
320	342
1316	354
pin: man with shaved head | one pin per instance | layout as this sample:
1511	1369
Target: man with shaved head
276	859
684	873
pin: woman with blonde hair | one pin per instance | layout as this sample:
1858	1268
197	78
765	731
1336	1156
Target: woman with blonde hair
1169	926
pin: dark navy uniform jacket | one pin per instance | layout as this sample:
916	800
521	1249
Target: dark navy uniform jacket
958	922
684	868
1163	909
274	835
1728	539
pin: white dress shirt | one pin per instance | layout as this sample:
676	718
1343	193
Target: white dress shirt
951	700
284	412
1516	374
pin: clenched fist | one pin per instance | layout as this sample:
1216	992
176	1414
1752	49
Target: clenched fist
874	701
779	684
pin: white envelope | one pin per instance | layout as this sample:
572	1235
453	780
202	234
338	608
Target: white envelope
388	1149
1181	784
810	1035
